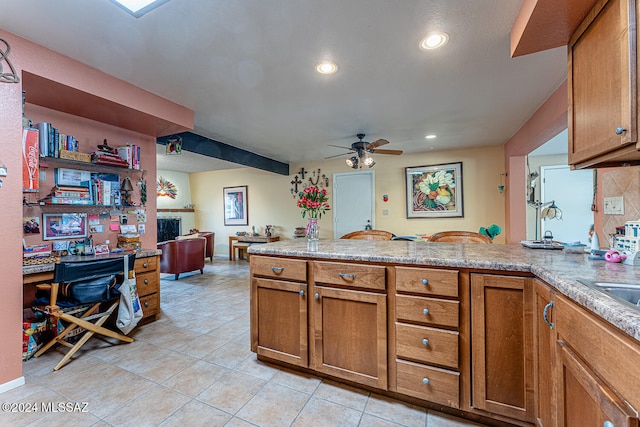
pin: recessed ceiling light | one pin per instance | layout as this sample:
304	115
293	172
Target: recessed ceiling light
139	7
326	67
434	40
430	136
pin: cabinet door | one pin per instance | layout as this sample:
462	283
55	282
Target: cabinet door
584	400
602	85
279	320
502	345
350	335
544	356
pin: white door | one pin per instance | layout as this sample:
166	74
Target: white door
353	202
573	193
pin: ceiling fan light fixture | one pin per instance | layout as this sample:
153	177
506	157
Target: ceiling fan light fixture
368	160
326	67
352	162
434	40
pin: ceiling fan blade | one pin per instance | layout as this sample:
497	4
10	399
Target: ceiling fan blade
337	155
340	146
394	152
377	143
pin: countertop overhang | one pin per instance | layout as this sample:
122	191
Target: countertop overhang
557	268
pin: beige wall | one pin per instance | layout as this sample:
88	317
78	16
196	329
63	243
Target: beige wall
183	198
270	200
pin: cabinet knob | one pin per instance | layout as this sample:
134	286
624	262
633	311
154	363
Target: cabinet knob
425	311
317	296
145	265
425	341
425	381
301	292
620	130
146	303
608	424
425	282
146	281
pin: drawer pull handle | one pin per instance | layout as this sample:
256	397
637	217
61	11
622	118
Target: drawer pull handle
277	269
544	314
425	311
425	381
351	276
145	265
425	341
301	292
317	296
146	281
146	303
425	282
619	131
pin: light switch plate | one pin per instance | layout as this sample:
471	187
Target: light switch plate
614	205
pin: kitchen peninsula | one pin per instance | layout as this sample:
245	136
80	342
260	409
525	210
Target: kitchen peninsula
489	332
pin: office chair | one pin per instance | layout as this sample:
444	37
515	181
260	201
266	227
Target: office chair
83	294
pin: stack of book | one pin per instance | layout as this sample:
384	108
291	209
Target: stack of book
131	154
52	141
70	195
37	254
108	159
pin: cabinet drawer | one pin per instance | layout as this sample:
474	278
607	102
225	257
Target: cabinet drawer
429	383
150	305
427	310
427	281
146	264
147	283
353	275
279	268
428	345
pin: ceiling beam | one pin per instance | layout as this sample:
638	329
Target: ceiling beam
210	147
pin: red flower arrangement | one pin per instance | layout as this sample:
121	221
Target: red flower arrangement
313	201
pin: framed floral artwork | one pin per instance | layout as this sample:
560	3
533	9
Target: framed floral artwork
434	191
235	205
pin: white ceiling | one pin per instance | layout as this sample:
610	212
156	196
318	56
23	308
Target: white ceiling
247	68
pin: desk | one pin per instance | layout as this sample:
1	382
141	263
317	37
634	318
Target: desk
248	239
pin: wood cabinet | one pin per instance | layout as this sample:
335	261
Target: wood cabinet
544	355
148	285
348	310
596	382
427	337
602	84
502	345
279	309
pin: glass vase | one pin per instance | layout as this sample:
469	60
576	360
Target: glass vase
313	231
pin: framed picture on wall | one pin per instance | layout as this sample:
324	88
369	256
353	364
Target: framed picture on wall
434	191
64	226
236	206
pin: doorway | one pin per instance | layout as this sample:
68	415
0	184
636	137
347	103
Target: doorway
353	202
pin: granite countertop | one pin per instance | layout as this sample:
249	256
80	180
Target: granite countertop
556	267
43	268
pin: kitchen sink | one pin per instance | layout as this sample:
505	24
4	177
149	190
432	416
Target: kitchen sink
627	292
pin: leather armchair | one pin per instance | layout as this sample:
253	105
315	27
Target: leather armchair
182	256
209	235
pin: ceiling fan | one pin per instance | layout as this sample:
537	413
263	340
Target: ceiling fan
362	150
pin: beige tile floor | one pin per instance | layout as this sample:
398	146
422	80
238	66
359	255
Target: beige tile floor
193	367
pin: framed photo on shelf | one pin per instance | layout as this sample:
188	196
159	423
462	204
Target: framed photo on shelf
434	191
236	206
64	226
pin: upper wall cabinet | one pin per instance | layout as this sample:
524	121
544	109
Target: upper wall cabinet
602	78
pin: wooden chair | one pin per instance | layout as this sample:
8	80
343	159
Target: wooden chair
84	294
459	236
368	235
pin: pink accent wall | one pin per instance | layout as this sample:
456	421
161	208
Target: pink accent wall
549	120
108	91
